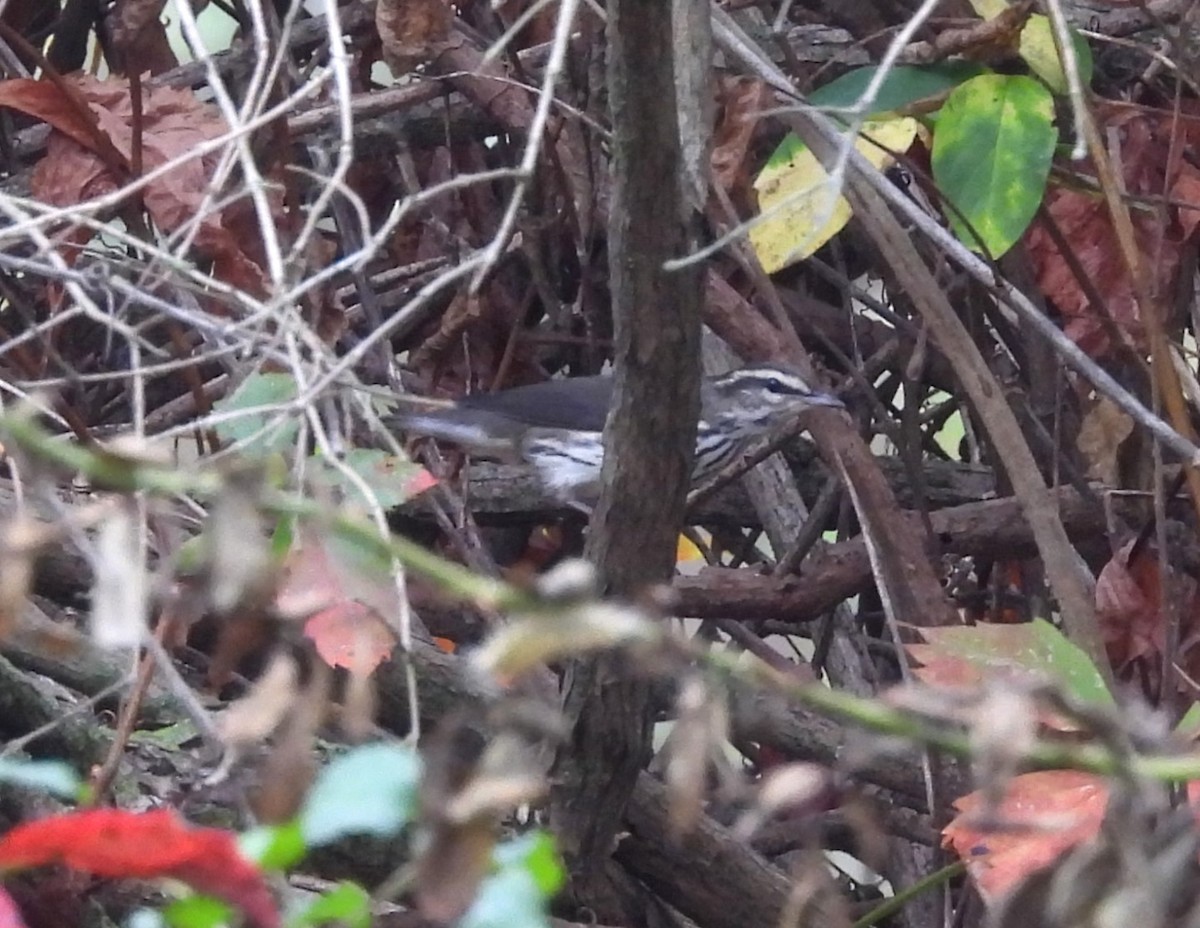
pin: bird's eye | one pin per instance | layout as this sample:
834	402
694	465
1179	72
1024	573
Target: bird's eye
780	387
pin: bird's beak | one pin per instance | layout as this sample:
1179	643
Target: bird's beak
825	399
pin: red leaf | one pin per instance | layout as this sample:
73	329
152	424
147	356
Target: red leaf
1129	607
343	606
144	845
1146	139
350	635
1052	812
45	101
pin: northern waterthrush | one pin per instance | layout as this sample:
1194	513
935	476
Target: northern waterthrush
557	426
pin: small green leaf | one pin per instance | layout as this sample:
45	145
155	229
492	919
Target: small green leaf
536	854
169	737
370	790
903	86
49	776
198	912
1190	722
991	157
273	847
391	478
265	431
346	904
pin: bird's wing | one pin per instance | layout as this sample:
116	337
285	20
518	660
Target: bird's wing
574	403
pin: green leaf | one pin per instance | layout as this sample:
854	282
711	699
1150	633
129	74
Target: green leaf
394	480
49	776
346	904
198	912
1190	722
273	847
903	86
1035	647
370	790
536	854
991	157
1069	664
170	737
255	391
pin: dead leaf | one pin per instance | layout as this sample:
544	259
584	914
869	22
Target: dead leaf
174	127
1146	142
138	38
254	717
1105	426
346	630
740	101
412	31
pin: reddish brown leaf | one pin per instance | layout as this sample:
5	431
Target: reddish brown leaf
144	845
1129	607
138	38
175	124
45	101
343	612
741	100
999	859
350	635
1050	812
1145	147
412	31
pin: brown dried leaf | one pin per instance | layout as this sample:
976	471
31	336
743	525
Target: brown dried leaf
174	125
287	774
1145	146
412	31
138	38
44	100
255	716
1129	606
1105	427
740	101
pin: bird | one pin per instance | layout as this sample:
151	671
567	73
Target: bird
557	426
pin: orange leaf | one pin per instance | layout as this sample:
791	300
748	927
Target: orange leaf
143	845
1052	811
343	606
350	635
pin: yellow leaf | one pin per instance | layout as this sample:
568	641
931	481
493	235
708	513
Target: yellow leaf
801	211
687	551
1036	45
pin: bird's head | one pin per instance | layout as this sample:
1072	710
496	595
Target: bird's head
761	395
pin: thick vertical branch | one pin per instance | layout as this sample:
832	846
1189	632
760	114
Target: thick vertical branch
649	441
